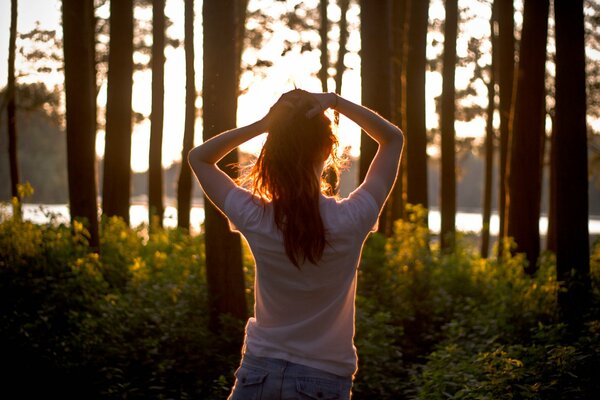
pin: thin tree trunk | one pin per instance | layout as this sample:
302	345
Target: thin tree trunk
155	173
551	234
397	34
376	83
184	185
572	236
506	65
80	90
10	109
489	163
448	173
323	29
117	156
489	136
219	87
524	171
240	23
339	65
416	133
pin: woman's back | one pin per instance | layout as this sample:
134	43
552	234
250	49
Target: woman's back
305	314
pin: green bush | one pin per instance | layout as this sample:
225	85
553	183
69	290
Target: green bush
132	321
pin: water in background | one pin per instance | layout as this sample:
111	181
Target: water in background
138	214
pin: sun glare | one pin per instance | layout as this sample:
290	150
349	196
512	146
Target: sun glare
261	87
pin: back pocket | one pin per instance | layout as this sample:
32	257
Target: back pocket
248	384
318	388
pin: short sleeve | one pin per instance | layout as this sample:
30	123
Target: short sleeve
241	208
363	209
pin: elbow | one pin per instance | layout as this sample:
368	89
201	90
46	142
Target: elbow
195	158
395	139
198	154
190	155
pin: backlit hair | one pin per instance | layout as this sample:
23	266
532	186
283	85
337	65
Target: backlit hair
285	174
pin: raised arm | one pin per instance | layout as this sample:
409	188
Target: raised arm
383	169
203	159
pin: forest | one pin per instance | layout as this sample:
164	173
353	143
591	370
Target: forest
99	307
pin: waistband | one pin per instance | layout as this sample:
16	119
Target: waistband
277	364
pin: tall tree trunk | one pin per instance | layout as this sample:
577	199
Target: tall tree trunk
524	170
184	185
489	136
551	234
80	90
572	236
339	65
117	156
506	65
155	174
323	29
416	133
398	77
223	248
10	109
376	82
448	173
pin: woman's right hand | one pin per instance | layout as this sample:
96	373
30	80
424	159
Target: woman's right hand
321	102
318	103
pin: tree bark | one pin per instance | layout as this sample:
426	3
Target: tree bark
572	236
416	133
376	80
506	65
223	248
155	173
524	171
448	173
117	155
11	109
184	185
339	65
323	30
398	27
80	90
489	137
551	234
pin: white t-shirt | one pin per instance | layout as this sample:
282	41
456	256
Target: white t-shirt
305	315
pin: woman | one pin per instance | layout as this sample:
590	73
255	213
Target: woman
306	246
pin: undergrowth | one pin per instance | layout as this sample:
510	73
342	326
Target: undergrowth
132	320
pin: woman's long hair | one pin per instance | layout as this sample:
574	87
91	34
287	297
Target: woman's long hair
285	173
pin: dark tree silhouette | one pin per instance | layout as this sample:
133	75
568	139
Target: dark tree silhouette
416	134
376	79
339	65
219	89
398	32
117	155
489	136
506	65
448	173
10	107
323	30
572	236
80	88
551	234
184	185
524	171
155	173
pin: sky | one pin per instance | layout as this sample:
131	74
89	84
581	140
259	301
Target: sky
263	88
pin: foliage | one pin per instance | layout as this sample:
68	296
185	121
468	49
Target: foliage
131	321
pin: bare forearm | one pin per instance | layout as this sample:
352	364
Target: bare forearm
219	146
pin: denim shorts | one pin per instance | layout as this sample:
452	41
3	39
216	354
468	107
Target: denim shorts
261	378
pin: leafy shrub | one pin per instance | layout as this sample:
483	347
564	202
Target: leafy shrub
132	321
